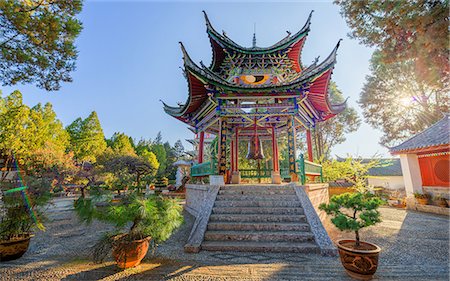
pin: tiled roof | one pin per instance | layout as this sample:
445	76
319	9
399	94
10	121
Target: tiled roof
437	134
387	167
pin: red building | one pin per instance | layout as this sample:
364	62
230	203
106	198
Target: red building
425	160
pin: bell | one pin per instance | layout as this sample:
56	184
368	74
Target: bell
255	151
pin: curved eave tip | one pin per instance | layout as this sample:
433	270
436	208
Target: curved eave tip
208	23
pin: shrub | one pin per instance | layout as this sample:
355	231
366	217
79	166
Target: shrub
419	195
353	211
155	216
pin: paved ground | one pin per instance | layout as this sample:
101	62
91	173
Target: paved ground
415	247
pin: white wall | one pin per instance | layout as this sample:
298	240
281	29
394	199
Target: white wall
389	182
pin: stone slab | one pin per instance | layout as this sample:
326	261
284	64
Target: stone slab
324	242
200	225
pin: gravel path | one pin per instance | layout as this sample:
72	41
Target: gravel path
415	246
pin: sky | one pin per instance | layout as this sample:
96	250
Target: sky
129	59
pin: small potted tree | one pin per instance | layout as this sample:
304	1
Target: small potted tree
422	198
151	221
352	212
21	214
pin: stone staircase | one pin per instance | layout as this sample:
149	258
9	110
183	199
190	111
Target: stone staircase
251	218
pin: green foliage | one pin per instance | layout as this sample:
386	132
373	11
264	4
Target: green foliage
121	144
161	182
16	214
404	31
352	170
419	195
37	41
353	211
395	88
161	156
155	216
34	137
87	140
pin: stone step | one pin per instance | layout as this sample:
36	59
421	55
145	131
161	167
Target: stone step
251	246
258	210
257	191
240	197
256	187
270	236
253	226
255	218
255	203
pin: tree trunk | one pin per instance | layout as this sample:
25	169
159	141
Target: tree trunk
357	238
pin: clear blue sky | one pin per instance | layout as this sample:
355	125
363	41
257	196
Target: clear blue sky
129	59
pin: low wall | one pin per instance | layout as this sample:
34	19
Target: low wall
195	196
318	194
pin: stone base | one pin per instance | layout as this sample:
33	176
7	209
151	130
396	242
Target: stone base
236	178
276	178
411	204
216	180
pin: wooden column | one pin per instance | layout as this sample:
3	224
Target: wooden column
201	147
235	175
222	157
309	144
233	155
276	177
291	149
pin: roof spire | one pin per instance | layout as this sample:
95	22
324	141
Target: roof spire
254	35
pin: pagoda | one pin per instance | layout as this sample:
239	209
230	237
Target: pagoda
256	91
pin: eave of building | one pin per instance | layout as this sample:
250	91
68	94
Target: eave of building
202	81
424	150
223	46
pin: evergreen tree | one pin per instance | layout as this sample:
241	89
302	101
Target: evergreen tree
158	139
37	41
160	152
121	144
86	138
178	149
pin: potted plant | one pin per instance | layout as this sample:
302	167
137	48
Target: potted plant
152	221
440	201
20	215
352	212
422	198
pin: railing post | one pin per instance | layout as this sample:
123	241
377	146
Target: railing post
302	169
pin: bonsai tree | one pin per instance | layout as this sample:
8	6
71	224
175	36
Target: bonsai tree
135	218
353	211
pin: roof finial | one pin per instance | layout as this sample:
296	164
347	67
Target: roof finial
254	35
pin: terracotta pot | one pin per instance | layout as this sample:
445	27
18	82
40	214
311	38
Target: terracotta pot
359	263
14	249
130	253
422	201
442	203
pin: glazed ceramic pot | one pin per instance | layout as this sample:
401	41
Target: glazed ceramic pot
130	253
360	262
15	248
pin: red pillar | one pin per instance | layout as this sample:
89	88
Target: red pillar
232	156
275	151
309	143
236	150
200	147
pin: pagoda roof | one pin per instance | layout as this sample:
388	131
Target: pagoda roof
221	44
435	137
201	78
